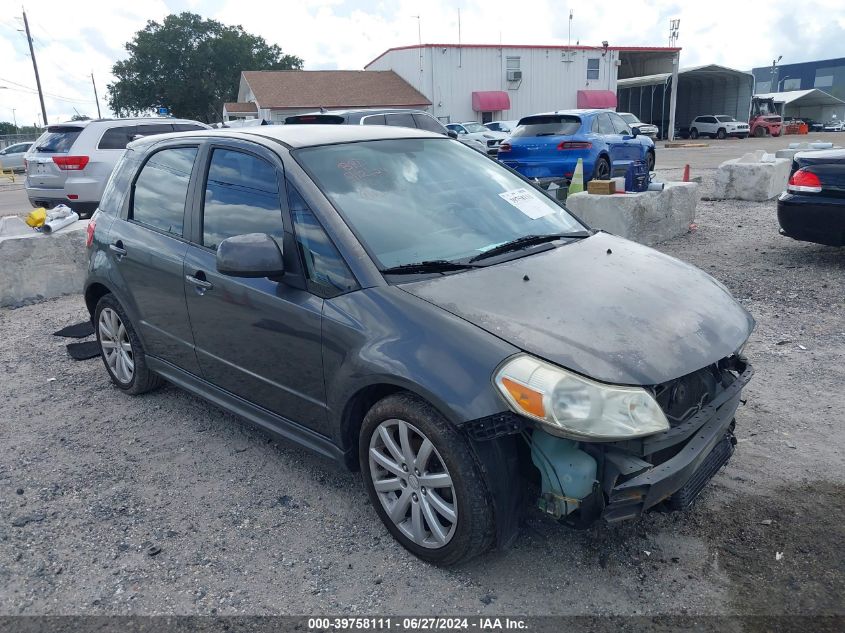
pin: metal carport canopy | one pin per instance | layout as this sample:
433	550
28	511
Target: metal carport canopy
709	89
801	98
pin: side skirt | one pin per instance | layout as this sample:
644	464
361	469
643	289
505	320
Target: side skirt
267	420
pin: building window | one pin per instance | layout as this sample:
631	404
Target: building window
764	87
823	79
513	63
593	68
791	84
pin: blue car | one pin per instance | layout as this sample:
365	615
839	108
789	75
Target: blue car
546	147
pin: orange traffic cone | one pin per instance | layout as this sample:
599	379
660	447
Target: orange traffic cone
686	172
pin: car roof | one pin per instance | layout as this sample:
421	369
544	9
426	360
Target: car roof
296	136
573	112
122	121
362	111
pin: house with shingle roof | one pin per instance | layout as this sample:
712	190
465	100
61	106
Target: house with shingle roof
273	95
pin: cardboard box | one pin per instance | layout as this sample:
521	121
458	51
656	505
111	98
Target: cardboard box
601	187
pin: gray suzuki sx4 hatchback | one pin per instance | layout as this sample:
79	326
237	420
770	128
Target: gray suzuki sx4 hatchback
397	302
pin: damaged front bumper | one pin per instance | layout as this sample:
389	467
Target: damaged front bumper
672	466
629	477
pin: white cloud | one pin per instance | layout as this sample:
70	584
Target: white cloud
74	39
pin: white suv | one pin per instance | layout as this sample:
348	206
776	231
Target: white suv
71	162
717	126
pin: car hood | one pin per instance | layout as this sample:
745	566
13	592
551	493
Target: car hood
604	307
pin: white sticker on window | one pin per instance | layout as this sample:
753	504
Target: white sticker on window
527	202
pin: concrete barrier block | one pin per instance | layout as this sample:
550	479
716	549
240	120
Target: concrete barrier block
649	217
752	177
36	266
12	225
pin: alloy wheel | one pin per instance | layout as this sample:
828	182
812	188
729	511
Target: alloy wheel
117	349
413	484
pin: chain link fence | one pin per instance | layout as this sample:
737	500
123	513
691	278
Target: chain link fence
11	139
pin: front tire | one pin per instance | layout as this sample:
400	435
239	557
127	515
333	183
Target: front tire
693	134
121	349
423	480
650	160
721	134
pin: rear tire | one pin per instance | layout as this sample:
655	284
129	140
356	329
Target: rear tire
121	349
601	171
721	134
428	479
693	133
759	132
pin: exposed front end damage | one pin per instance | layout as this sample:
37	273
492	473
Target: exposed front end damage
581	481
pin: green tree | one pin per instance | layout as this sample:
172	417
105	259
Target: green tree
191	66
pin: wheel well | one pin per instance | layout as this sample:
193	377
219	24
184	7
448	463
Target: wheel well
353	416
93	294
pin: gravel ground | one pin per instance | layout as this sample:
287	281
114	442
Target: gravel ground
163	504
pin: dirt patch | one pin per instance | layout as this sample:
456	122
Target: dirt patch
784	553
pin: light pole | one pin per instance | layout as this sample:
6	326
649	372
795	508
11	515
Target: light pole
774	82
780	83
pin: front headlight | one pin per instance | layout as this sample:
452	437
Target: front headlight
573	406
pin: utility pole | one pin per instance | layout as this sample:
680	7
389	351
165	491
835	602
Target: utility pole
35	68
99	116
15	120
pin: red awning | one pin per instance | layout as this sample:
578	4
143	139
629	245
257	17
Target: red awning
596	99
492	101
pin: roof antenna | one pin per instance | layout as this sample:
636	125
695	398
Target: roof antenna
322	109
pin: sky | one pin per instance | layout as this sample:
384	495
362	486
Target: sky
75	39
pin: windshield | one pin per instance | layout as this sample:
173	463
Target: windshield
416	200
57	139
551	125
630	118
475	127
725	119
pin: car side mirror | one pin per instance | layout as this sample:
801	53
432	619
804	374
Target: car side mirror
452	133
250	255
635	132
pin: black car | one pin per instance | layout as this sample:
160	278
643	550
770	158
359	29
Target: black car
812	209
397	302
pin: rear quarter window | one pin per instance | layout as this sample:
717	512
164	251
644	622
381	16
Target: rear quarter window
118	183
117	137
553	125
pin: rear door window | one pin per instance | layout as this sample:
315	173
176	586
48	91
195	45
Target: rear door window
161	189
547	125
374	119
58	139
150	129
605	124
241	196
186	127
400	119
117	137
425	122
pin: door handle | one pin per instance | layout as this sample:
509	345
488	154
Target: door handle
118	250
201	285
